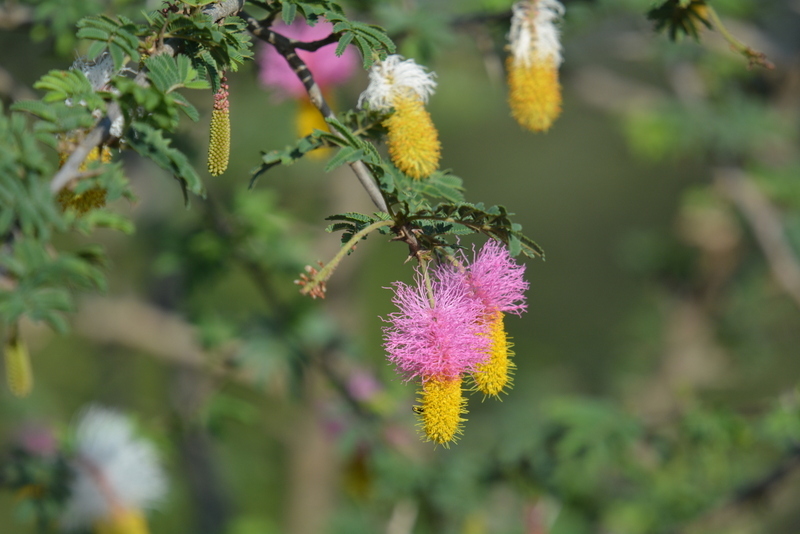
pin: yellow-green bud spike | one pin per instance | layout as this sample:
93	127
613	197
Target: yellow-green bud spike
413	140
219	145
442	404
492	377
19	373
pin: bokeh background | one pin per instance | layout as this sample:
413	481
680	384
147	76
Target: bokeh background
657	362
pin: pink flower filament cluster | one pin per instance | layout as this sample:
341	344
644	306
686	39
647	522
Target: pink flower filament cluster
451	326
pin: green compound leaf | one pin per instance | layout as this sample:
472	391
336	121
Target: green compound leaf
371	40
42	292
351	223
345	155
151	143
493	221
171	73
680	17
120	35
351	125
210	46
71	86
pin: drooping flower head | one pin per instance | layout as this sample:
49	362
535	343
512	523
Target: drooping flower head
534	89
404	86
117	475
496	282
437	336
442	338
440	408
329	70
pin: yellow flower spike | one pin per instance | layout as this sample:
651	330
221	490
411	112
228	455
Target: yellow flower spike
413	140
122	522
19	373
534	94
219	145
492	377
442	404
402	85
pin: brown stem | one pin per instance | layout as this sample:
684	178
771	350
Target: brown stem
286	47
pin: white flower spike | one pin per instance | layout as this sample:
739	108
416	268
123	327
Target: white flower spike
117	476
534	90
395	77
402	85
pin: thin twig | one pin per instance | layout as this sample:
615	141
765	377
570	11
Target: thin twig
316	285
312	46
764	219
223	9
754	57
286	48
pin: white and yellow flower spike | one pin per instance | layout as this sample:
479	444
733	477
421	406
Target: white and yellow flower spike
534	91
405	86
117	476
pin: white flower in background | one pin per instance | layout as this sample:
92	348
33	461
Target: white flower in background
394	78
117	476
404	86
534	90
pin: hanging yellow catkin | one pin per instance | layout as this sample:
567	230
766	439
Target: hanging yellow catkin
413	140
19	373
442	404
219	145
493	376
534	92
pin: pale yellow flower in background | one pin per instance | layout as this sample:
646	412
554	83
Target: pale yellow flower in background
535	56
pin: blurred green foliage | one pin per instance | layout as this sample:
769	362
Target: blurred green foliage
657	376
